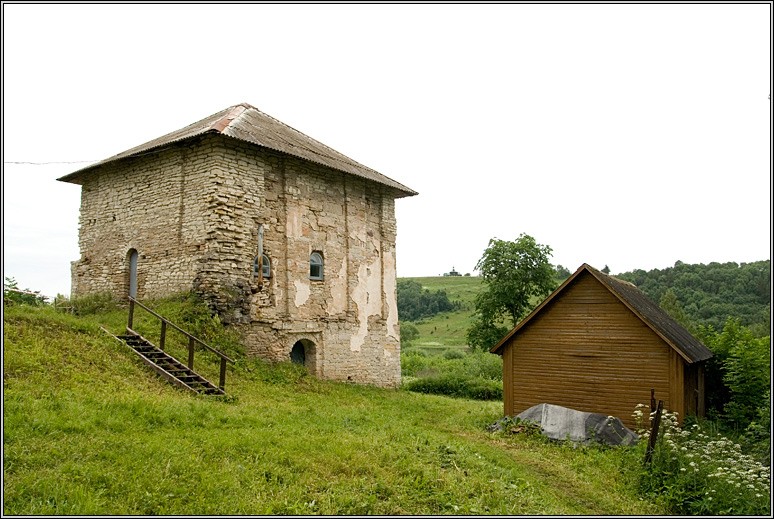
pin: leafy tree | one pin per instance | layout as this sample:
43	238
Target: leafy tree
738	375
671	305
561	273
606	270
514	273
414	303
748	376
408	333
13	295
710	294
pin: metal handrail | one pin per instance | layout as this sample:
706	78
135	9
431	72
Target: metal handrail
191	339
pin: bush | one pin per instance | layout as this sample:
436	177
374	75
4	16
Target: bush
459	386
453	354
99	303
697	472
13	296
483	335
408	333
412	362
738	375
188	311
476	364
414	302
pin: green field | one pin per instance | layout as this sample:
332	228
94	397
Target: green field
446	331
88	429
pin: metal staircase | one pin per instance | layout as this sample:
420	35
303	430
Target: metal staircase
169	367
166	365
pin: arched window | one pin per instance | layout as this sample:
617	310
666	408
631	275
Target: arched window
266	266
315	266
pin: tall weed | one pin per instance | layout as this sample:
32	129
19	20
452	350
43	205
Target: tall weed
696	471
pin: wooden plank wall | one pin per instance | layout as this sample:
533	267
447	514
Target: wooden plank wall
588	351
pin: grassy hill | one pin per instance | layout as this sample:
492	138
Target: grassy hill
446	331
89	430
708	295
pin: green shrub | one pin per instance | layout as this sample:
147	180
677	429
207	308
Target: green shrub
188	311
453	354
412	362
738	375
408	333
12	295
459	386
92	304
695	471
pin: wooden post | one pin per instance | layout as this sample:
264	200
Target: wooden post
163	335
222	383
131	314
190	352
260	256
654	433
652	400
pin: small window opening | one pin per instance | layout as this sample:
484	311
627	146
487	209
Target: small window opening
315	266
264	266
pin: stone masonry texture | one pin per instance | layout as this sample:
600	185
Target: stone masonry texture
192	211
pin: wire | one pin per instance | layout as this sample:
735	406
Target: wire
46	163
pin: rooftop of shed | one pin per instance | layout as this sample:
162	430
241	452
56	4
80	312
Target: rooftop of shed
248	124
672	332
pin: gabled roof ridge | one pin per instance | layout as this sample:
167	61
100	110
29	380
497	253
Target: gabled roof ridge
225	121
247	123
653	315
333	152
661	323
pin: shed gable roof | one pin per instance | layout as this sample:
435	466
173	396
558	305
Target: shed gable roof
246	123
674	334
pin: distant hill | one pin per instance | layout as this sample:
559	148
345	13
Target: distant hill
710	294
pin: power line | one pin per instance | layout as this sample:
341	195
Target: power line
46	163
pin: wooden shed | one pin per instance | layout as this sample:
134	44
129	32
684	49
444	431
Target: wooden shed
599	344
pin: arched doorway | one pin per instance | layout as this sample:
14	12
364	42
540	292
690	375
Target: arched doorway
298	353
133	273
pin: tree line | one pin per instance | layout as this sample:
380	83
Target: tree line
707	295
415	303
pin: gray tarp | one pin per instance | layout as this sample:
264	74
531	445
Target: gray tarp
561	423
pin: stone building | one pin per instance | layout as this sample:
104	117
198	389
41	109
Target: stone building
284	237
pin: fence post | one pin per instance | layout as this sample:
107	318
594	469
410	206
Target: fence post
163	337
652	400
222	383
190	352
654	433
131	314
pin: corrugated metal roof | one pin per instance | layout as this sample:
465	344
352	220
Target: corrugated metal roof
246	123
649	312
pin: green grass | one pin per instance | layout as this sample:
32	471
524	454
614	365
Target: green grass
447	331
88	429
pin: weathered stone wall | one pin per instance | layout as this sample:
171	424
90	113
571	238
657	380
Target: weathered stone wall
154	204
193	213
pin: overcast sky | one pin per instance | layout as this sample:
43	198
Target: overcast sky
631	136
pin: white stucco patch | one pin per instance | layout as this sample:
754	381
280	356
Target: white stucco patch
303	290
360	297
367	298
390	296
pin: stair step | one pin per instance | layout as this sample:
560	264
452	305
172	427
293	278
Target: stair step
171	365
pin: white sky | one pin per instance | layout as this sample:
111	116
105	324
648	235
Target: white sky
624	135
